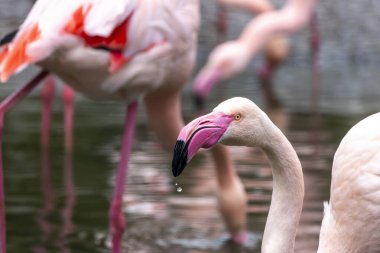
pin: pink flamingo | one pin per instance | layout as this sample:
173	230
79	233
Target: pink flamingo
122	52
239	121
232	57
256	6
352	219
277	48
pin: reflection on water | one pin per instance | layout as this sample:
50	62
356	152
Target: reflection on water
58	203
46	212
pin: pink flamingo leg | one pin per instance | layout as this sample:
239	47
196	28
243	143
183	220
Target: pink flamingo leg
67	211
3	246
315	37
315	44
265	72
6	105
47	96
221	22
117	220
68	102
49	198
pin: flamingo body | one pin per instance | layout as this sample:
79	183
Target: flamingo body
116	51
232	57
147	44
352	218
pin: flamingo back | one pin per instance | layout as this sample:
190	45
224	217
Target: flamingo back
352	218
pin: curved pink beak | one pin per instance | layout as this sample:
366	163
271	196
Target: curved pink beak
203	132
203	84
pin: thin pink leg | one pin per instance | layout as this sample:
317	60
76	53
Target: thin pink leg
3	246
47	189
315	44
68	102
265	72
117	220
6	105
221	22
315	37
47	96
67	211
49	199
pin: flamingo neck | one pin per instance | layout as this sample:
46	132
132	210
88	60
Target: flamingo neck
288	192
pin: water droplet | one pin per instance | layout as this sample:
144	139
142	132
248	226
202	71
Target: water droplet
178	188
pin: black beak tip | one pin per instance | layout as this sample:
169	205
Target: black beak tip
177	171
178	166
179	161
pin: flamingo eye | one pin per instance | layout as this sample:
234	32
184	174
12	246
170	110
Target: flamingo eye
237	117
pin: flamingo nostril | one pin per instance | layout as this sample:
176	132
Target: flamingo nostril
204	122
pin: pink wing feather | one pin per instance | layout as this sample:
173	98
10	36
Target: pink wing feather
54	23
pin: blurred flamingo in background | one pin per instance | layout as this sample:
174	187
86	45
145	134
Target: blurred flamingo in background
122	52
255	6
351	220
259	7
232	57
277	48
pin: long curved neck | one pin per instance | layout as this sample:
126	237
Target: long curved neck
288	192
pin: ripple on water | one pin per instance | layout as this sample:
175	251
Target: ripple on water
218	244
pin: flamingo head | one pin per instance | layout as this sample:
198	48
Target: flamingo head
225	61
236	121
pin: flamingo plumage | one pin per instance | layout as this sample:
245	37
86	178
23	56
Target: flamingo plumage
351	218
119	52
239	122
277	48
124	51
232	57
